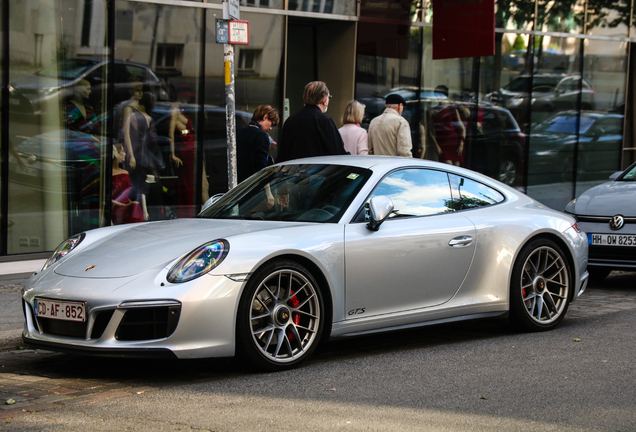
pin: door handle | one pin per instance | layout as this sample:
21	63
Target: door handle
460	241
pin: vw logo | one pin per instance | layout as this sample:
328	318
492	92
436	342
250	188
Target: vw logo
89	268
617	222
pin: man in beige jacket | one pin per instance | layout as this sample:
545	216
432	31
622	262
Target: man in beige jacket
390	133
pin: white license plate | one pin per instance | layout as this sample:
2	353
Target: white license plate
62	310
611	240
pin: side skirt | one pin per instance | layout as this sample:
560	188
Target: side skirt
499	315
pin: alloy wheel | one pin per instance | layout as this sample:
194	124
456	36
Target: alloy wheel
545	285
285	316
508	172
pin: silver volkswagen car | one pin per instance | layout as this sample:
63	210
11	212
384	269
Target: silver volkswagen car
607	213
308	250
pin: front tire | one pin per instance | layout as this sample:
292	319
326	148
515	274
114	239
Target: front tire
280	317
540	286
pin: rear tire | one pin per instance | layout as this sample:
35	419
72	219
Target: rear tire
540	286
280	317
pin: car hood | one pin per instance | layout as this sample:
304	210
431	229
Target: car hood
541	141
49	144
151	245
507	94
34	83
608	199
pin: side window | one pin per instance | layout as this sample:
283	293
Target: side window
136	73
491	123
570	84
469	194
416	192
98	76
608	126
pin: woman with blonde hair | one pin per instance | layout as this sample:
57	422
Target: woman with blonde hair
353	135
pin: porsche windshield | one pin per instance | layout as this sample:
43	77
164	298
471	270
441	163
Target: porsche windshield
303	193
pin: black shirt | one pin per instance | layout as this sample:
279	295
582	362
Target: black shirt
309	132
252	151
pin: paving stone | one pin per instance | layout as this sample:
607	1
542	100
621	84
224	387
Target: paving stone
11	413
52	399
41	407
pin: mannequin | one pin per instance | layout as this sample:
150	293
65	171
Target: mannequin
80	116
182	149
124	210
83	128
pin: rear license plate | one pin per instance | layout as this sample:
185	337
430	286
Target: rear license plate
61	310
14	101
611	240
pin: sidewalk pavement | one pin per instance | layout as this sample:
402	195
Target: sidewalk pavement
13	275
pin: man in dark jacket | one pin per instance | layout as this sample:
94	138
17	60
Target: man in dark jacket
311	132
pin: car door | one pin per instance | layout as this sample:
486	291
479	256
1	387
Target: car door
418	257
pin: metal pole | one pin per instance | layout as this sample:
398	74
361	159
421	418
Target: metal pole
230	99
230	124
4	135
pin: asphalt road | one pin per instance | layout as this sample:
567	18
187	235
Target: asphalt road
462	377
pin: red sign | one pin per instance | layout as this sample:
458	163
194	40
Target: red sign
463	28
239	32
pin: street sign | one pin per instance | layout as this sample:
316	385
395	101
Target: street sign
222	33
239	32
234	9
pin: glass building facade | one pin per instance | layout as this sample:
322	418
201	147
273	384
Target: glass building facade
114	112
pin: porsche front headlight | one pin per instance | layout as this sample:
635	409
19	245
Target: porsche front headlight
64	249
199	262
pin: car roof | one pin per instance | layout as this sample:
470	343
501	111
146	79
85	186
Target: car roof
375	162
385	164
105	60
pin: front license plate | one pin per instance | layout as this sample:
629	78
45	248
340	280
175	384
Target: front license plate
61	310
611	240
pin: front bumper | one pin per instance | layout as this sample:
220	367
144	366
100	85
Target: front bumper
136	316
614	257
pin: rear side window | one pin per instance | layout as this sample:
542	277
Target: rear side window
468	194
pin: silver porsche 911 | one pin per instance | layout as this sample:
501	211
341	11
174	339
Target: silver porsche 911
305	251
607	213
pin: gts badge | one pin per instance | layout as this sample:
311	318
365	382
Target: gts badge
356	311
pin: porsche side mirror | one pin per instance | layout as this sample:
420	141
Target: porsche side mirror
380	207
210	201
615	175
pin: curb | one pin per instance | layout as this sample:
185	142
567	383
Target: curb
10	339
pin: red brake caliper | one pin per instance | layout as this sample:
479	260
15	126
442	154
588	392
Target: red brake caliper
296	317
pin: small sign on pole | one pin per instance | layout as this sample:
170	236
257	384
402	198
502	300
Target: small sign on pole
222	33
239	32
233	9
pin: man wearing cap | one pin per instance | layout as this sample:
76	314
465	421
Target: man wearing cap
390	133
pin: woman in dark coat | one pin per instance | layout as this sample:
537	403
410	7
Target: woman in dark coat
252	142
